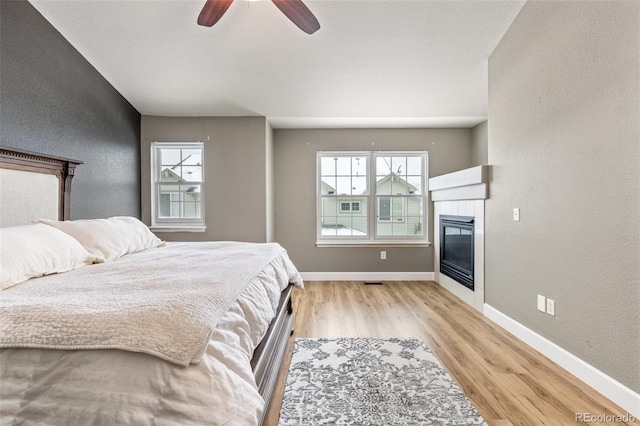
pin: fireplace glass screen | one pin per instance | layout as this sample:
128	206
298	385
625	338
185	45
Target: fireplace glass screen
456	248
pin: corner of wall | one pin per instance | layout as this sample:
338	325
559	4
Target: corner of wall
269	181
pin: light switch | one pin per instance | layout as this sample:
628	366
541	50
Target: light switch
551	307
542	303
516	214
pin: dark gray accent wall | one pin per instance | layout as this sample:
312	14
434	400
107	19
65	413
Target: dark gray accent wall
295	193
564	123
54	102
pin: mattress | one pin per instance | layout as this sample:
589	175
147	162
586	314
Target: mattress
114	387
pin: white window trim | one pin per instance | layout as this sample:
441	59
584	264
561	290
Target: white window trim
371	200
178	224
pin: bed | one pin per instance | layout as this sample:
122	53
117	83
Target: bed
140	333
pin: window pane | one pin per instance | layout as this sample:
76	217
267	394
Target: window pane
170	201
359	185
191	157
414	165
384	185
343	217
168	175
180	165
329	228
165	206
343	166
400	216
358	225
180	201
328	185
398	185
344	185
191	173
399	165
415	184
170	157
399	228
383	166
397	209
358	166
384	209
329	209
327	166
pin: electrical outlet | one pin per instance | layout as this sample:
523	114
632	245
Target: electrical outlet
542	303
551	307
383	255
516	214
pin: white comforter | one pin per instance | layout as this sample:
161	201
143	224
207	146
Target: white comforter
113	387
163	302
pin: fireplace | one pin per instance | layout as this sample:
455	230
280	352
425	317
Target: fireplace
456	248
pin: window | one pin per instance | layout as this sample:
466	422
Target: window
349	206
390	209
178	186
372	197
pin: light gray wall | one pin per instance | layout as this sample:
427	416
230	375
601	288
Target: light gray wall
479	145
563	143
235	173
295	193
269	176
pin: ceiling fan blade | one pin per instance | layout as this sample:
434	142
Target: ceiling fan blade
213	11
299	14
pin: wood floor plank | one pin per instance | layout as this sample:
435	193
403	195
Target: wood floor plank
509	382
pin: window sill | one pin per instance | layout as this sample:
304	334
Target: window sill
373	244
162	228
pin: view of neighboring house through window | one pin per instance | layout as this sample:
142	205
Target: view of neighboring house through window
177	169
372	196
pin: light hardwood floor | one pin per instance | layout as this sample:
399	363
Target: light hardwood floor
508	382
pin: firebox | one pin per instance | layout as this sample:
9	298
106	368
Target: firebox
456	248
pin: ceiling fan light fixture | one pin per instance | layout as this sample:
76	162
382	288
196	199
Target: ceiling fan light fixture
299	14
213	11
295	10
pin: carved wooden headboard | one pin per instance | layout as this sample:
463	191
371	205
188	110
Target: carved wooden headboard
34	186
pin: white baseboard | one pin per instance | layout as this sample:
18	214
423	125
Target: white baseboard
367	276
612	389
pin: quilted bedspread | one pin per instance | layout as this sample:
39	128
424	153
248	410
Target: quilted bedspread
164	302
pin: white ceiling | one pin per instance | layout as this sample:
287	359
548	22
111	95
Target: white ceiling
393	63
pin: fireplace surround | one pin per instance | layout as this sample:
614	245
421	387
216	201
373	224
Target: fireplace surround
462	193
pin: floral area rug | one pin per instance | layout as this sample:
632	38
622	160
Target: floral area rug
352	381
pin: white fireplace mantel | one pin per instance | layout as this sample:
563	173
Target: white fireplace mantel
467	184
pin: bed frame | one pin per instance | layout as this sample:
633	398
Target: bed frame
269	354
62	168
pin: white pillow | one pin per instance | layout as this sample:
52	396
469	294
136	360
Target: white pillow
34	250
109	239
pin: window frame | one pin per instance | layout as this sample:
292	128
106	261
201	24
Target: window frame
371	200
165	224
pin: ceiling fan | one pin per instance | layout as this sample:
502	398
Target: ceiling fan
295	10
